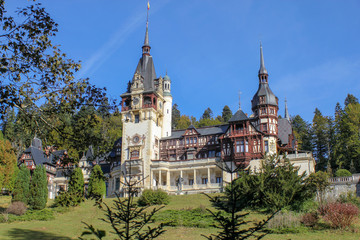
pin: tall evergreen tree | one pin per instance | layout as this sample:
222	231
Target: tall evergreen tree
22	185
208	113
8	125
76	184
97	188
226	114
347	147
350	99
38	189
303	133
320	128
175	116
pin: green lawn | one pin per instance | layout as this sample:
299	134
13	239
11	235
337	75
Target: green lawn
68	225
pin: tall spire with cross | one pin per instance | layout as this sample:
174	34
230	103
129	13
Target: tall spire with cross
263	74
146	47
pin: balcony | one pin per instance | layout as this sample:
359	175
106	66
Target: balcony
133	162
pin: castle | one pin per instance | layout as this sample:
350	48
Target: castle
193	160
188	161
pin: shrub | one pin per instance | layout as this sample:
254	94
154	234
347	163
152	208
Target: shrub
17	208
349	197
197	217
343	173
153	197
310	219
340	215
284	222
67	199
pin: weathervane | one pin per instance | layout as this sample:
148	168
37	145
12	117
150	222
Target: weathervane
240	100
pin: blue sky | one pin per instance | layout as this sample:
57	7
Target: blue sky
211	48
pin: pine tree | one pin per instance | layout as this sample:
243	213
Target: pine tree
38	189
97	188
320	128
226	114
302	131
350	99
208	114
21	187
347	147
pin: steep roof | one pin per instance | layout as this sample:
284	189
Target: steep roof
146	69
264	91
284	130
238	116
39	156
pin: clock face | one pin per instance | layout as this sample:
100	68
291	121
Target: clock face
136	139
136	101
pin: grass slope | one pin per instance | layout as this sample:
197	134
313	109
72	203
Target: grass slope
68	225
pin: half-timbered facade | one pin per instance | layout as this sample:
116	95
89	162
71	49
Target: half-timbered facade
187	161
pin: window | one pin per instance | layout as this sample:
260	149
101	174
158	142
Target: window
242	146
134	154
195	140
246	146
237	146
137	118
265	127
218	179
204	180
191	140
266	146
187	141
117	184
211	154
272	111
191	181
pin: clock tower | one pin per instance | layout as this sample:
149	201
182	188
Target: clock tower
146	114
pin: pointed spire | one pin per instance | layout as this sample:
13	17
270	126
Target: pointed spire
287	116
146	41
146	47
262	69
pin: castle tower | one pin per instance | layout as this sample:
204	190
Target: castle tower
146	115
265	109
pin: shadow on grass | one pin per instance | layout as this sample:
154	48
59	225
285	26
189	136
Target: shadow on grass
26	234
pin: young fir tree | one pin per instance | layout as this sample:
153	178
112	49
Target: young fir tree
127	219
38	189
21	187
97	188
76	185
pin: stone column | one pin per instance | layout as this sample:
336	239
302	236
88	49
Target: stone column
160	179
168	180
208	176
195	183
151	179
